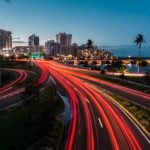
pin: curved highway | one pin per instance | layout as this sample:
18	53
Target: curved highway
12	93
135	96
10	88
96	121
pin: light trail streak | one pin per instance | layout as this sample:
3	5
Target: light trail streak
9	90
20	73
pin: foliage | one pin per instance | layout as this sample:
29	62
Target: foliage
17	132
103	72
122	69
138	41
122	76
89	44
147	78
140	113
110	68
143	63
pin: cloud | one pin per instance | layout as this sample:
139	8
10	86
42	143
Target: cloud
19	42
18	38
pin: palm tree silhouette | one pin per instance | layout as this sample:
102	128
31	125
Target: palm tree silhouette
89	44
138	41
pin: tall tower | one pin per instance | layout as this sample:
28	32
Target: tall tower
33	40
5	41
65	41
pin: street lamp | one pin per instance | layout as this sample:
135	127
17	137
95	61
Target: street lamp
129	56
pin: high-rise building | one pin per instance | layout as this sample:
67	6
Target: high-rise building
5	41
65	42
33	43
73	50
33	40
64	39
52	48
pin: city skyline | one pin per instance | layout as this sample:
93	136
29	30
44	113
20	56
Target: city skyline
107	23
75	74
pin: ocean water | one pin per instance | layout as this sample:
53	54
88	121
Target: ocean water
125	51
133	68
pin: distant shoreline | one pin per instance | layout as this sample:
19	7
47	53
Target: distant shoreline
126	51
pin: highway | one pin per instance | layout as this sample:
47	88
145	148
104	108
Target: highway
134	96
12	93
10	87
96	122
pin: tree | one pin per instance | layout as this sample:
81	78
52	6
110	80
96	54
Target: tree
147	77
122	69
103	72
89	44
138	41
143	63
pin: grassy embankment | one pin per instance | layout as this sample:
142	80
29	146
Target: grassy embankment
140	113
32	122
140	80
24	66
7	77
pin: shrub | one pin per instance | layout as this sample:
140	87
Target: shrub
103	72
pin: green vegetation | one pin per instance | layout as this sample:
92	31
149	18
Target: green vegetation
139	40
142	80
140	113
89	44
27	66
32	122
7	76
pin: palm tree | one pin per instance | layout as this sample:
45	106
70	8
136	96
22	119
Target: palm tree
89	44
138	41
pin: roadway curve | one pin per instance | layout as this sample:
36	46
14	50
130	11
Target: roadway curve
96	122
9	88
12	93
132	95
